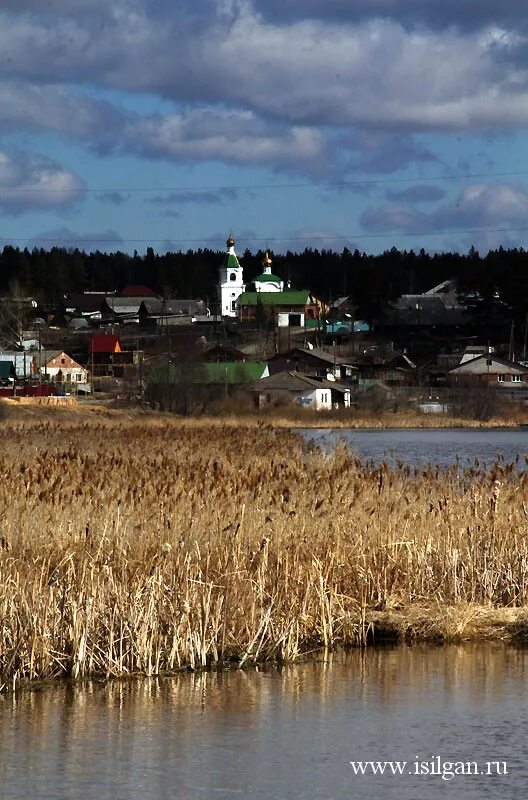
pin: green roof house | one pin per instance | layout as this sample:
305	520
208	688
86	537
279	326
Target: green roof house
209	373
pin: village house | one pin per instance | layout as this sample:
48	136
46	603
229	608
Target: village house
295	387
61	368
85	304
209	373
386	365
488	369
105	353
155	312
314	362
26	362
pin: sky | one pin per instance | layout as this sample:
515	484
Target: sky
368	124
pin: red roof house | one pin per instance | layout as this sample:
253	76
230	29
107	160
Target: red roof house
133	290
105	343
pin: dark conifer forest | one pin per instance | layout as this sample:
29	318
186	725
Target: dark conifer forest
371	280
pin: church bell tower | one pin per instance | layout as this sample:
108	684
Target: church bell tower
230	281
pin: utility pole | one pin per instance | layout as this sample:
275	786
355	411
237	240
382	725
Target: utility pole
511	353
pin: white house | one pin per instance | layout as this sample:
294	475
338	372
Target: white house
292	386
230	281
63	369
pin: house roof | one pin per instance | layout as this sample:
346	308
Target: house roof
223	353
234	372
137	290
316	353
86	301
289	297
124	305
55	360
495	361
294	382
209	372
105	343
156	306
7	370
340	301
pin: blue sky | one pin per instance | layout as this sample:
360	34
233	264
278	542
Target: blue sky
293	123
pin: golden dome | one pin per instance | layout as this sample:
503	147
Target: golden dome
267	260
230	241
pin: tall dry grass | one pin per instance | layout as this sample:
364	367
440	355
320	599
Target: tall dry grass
148	546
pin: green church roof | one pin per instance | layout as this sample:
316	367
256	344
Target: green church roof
291	297
267	276
231	261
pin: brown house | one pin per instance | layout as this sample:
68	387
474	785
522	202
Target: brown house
490	370
315	362
107	357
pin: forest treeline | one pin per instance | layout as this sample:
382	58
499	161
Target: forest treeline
371	280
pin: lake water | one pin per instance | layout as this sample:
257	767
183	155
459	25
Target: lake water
421	446
280	734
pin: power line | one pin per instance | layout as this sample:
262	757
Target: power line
333	237
250	187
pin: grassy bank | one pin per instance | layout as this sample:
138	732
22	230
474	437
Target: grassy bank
234	414
144	546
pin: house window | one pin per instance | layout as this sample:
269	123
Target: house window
78	377
63	360
233	305
233	276
501	378
516	378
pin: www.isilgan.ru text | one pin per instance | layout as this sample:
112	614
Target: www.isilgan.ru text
434	767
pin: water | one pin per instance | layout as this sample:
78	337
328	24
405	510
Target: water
422	446
278	734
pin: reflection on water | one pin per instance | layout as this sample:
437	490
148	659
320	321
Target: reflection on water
421	446
276	733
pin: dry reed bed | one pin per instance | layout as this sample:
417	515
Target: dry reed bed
149	546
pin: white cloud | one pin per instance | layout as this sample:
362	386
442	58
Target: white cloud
480	207
214	135
308	72
35	183
37	107
469	14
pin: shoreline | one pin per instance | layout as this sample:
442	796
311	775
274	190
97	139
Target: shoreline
13	412
418	625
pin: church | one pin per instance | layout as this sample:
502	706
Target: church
266	296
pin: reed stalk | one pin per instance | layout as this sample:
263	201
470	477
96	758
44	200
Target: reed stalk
145	547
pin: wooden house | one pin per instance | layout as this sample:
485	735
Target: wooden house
315	362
